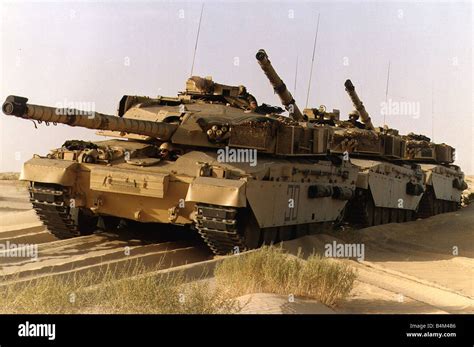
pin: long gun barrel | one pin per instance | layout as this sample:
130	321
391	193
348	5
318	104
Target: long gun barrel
359	106
279	87
17	106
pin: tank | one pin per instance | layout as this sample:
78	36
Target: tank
239	173
401	177
434	185
211	159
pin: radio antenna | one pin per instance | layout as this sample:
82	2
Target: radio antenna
296	75
312	61
197	39
432	111
386	92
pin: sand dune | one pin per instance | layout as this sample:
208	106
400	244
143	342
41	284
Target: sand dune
424	266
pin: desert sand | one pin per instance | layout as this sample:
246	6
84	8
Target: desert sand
424	266
409	267
19	225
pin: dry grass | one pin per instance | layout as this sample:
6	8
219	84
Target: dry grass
131	290
270	270
116	292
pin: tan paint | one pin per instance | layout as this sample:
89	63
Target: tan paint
126	205
109	179
278	203
217	191
441	179
270	202
387	183
49	171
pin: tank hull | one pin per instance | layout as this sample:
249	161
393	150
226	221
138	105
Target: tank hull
147	194
280	198
287	197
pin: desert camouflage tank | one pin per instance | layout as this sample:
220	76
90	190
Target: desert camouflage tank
399	178
411	174
239	173
210	158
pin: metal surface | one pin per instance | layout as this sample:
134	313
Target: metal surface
279	86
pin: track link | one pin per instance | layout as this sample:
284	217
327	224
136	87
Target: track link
430	206
217	225
50	204
363	212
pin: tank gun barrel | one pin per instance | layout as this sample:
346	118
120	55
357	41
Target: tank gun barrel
359	106
17	106
278	85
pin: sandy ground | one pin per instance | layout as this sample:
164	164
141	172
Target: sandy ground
424	266
19	225
264	303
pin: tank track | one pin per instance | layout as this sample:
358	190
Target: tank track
430	206
357	212
217	225
50	204
363	212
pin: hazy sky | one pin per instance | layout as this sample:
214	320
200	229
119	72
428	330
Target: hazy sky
95	52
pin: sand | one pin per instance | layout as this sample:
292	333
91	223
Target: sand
424	266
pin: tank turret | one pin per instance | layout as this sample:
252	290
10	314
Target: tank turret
17	106
359	106
279	86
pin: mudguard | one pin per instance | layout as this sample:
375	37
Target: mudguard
217	191
50	171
